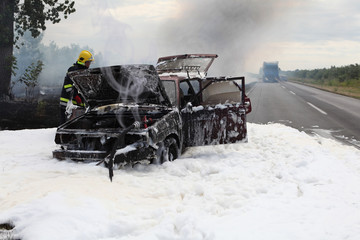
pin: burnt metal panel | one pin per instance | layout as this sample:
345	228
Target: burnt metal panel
211	126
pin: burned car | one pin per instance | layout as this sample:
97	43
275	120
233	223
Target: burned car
139	113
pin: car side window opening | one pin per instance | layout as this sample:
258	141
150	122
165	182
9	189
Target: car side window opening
170	89
189	89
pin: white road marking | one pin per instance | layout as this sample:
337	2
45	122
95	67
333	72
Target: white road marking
283	87
312	105
292	92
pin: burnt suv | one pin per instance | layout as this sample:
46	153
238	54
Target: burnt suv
139	113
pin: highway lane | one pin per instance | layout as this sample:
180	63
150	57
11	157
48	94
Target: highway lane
307	109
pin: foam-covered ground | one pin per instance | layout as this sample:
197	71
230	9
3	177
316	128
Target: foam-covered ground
282	184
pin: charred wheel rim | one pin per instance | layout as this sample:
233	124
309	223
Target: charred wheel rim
168	151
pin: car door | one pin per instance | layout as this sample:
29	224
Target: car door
212	113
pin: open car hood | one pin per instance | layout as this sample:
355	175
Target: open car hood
194	65
138	84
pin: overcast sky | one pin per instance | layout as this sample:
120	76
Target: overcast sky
300	34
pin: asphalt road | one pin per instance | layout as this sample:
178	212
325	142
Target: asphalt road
307	109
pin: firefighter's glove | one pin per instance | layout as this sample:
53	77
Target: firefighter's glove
78	99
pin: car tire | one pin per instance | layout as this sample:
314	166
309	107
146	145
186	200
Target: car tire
167	151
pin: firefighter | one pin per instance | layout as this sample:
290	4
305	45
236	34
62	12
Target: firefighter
69	92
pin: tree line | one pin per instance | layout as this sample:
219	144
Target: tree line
344	74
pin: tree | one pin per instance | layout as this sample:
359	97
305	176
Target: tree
28	53
30	78
17	17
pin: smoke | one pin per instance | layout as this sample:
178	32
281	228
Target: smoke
110	35
233	29
134	84
131	82
56	62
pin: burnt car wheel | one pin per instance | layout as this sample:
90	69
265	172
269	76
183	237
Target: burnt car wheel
168	151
